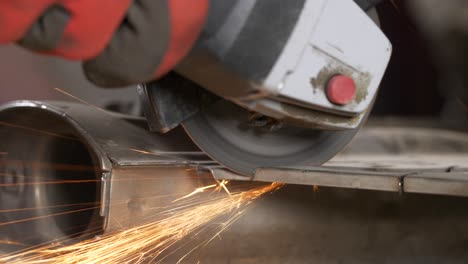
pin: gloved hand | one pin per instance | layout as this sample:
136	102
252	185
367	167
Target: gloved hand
120	42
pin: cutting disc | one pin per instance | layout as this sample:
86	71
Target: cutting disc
224	133
221	132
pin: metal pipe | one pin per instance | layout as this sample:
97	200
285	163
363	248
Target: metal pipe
73	171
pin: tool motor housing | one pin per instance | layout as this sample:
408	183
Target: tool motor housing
277	58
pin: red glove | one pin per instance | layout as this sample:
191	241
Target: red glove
121	42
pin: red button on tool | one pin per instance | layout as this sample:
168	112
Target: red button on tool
341	90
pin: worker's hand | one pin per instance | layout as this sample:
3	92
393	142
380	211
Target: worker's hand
120	42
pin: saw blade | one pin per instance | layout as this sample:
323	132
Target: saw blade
223	131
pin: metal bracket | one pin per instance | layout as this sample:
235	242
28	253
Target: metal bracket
171	100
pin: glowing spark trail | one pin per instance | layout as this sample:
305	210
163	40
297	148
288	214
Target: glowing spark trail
197	191
44	132
79	99
147	243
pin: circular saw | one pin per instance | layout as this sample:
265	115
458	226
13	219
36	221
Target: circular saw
274	83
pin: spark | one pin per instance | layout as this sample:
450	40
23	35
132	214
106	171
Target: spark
47	183
193	153
49	165
156	153
217	186
143	152
9	242
79	99
315	188
222	185
45	207
150	242
177	155
197	191
44	180
46	216
2	123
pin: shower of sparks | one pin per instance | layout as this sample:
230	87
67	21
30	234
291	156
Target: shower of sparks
151	242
